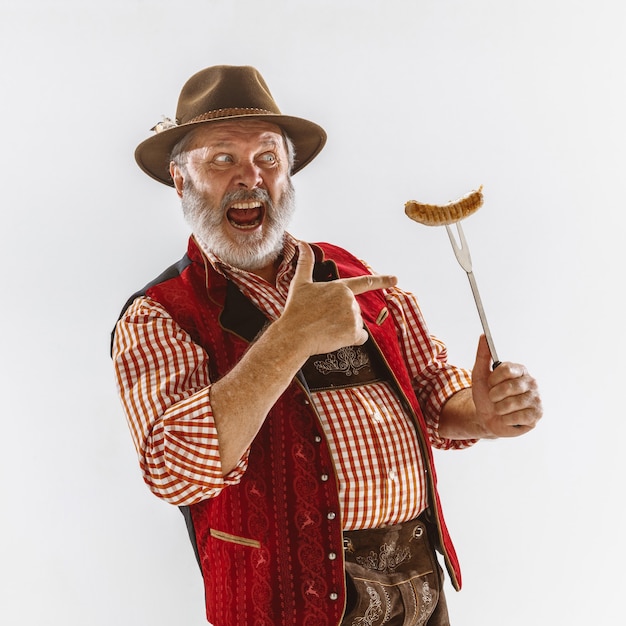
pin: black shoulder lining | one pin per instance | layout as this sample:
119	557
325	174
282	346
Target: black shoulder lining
171	272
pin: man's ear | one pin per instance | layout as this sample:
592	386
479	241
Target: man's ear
178	178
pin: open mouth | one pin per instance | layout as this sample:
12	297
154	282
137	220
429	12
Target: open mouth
246	215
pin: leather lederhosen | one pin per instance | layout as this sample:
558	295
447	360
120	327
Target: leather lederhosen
393	577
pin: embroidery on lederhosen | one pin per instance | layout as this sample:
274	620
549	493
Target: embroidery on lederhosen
347	367
427	599
348	360
387	559
374	610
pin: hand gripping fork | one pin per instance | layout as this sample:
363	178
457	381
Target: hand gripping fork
462	254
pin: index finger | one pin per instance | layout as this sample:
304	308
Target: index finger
370	282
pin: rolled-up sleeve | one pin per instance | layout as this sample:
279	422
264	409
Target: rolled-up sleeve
164	385
434	379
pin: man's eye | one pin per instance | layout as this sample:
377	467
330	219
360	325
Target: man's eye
267	158
222	159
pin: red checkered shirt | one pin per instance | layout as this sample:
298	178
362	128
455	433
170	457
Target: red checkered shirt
163	381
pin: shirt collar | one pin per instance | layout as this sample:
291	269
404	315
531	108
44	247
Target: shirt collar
286	267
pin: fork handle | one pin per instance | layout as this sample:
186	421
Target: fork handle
483	319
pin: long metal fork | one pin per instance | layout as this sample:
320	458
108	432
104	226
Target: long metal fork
462	254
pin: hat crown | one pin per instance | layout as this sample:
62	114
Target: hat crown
218	93
224	88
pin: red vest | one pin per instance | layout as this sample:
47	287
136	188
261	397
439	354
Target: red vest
271	547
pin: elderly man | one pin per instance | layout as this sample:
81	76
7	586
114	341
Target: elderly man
284	396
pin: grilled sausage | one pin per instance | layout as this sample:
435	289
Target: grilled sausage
441	214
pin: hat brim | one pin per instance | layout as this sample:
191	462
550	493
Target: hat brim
153	154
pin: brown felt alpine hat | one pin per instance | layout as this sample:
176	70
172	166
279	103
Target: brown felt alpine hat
217	94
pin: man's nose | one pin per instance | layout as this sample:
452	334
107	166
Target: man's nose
248	175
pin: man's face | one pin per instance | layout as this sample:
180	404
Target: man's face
236	191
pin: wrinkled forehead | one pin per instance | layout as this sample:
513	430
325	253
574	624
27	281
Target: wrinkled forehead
237	132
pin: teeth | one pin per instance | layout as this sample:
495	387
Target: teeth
245	226
246	205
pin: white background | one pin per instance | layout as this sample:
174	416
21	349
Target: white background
422	99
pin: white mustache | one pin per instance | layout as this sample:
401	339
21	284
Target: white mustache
245	195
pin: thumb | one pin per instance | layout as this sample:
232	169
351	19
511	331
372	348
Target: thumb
482	365
304	266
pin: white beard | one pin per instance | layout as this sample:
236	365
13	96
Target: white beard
250	251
